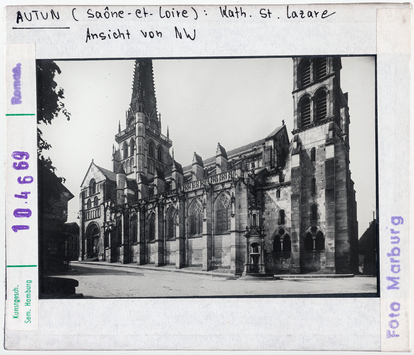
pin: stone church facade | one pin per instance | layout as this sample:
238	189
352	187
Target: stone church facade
274	206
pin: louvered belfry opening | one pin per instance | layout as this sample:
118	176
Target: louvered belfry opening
305	112
320	105
305	72
320	68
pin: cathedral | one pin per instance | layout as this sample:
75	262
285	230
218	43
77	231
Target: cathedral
278	205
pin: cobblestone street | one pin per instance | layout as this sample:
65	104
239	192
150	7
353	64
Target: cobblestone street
121	281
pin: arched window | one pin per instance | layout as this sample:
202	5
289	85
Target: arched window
132	148
151	227
88	204
96	201
125	150
195	219
222	210
170	223
320	105
320	241
282	242
314	239
319	65
287	246
313	154
308	242
92	187
313	186
160	153
278	193
151	166
281	217
305	111
151	149
304	72
314	212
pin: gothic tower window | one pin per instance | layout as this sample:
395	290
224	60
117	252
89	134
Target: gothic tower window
281	217
313	154
319	65
159	154
287	246
92	187
314	212
222	210
96	201
170	223
319	241
125	150
278	193
151	166
151	149
132	147
282	242
305	112
151	227
304	73
88	204
320	105
314	239
195	219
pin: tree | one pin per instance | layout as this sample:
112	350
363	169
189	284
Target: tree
49	105
52	195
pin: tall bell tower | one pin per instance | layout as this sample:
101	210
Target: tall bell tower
324	224
143	151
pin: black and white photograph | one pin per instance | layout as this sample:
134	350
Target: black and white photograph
207	177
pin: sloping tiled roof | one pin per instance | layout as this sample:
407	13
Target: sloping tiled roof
275	131
232	153
109	174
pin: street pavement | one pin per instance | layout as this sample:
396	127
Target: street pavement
119	281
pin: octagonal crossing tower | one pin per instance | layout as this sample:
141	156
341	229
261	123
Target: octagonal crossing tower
324	223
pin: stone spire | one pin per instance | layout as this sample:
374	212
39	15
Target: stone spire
143	92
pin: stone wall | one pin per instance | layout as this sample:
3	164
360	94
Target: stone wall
195	251
221	252
169	252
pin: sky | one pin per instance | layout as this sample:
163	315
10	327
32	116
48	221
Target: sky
202	101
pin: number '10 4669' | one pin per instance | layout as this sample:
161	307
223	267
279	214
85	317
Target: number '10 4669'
21	163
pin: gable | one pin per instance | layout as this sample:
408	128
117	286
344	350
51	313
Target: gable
94	172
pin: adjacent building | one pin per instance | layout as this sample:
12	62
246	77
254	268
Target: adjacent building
282	204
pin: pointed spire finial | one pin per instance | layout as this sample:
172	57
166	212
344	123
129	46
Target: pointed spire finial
283	122
173	153
119	127
168	133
